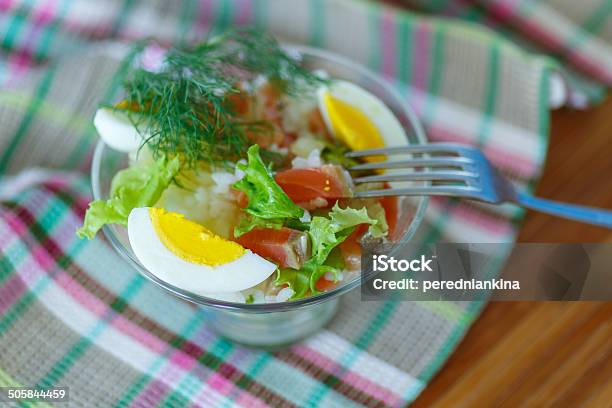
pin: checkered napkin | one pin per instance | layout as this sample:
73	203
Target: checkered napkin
72	313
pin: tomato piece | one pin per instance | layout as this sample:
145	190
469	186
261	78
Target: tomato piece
241	198
287	247
308	184
239	102
324	285
351	246
391	207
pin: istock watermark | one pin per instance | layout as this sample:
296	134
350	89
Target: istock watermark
526	271
382	263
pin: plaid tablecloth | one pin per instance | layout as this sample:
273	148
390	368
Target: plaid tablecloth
72	313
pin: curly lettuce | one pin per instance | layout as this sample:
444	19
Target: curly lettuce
266	199
138	186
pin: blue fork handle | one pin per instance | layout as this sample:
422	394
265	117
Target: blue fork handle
589	215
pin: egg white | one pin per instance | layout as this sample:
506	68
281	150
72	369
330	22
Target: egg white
389	127
116	130
239	274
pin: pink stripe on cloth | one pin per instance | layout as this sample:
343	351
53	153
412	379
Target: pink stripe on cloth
244	12
346	375
21	61
202	22
388	35
156	390
38	254
507	10
10	291
246	400
420	66
475	219
183	360
422	44
152	394
7	5
175	366
223	378
45	13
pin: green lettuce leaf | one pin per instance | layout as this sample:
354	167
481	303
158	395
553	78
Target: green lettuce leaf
266	199
248	223
298	280
138	186
377	212
326	233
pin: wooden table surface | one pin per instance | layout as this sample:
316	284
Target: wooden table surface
544	354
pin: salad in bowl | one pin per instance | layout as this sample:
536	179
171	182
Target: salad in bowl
237	186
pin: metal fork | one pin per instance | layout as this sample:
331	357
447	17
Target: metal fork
459	171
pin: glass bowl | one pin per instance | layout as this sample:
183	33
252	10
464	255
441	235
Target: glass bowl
275	324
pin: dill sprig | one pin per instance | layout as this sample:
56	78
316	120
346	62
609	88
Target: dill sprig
183	108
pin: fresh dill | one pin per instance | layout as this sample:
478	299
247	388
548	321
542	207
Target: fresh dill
186	108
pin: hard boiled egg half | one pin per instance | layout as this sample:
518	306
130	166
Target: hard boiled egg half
117	130
358	118
187	255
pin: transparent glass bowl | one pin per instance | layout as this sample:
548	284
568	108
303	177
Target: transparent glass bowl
274	324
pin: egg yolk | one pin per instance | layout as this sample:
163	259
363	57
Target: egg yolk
351	125
192	242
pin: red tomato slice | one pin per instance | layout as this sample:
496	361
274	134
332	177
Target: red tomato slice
351	246
324	285
305	185
241	198
390	204
287	247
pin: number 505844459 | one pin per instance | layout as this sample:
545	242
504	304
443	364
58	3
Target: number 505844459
33	394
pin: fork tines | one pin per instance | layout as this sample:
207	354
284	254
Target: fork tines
446	164
432	148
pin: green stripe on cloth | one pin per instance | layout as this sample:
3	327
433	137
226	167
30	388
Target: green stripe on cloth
260	13
544	128
450	343
40	234
592	25
317	23
188	15
77	351
490	98
47	110
173	396
17	22
122	16
44	44
220	348
435	73
224	14
40	93
405	30
599	18
374	31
